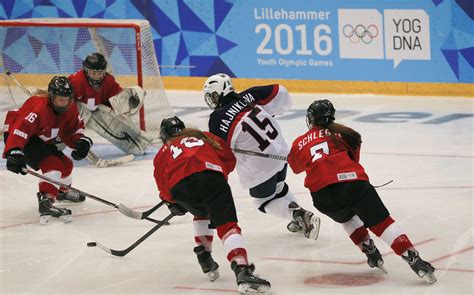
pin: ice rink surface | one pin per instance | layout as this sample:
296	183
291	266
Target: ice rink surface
425	145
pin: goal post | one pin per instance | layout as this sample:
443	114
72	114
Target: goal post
34	50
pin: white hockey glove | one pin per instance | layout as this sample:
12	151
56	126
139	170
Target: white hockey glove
128	101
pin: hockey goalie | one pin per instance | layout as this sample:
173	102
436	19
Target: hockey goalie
107	108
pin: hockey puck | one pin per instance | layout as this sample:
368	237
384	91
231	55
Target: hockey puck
91	244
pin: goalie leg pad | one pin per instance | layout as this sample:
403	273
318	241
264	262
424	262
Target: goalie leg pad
119	130
84	112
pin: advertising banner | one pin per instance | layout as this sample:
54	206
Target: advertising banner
392	41
416	41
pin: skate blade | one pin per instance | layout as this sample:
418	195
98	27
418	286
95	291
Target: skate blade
314	233
69	202
251	288
382	268
213	275
66	218
44	219
429	277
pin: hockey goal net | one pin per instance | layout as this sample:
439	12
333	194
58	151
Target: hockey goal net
34	50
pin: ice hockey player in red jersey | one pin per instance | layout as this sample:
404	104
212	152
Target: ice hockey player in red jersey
93	86
246	121
30	134
329	154
106	106
191	172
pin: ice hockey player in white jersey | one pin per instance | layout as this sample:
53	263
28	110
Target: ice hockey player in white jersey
246	121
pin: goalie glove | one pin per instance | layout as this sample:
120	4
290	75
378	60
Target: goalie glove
136	99
128	101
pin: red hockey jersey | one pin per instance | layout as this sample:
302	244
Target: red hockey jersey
184	156
326	158
91	97
37	118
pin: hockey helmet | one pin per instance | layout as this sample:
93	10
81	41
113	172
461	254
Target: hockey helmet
215	88
320	112
60	86
95	68
170	127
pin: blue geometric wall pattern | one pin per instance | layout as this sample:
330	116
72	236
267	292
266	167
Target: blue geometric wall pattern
202	37
167	18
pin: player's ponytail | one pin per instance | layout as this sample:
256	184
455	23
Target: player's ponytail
41	92
192	132
352	137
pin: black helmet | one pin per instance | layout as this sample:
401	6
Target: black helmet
94	62
170	127
320	112
59	86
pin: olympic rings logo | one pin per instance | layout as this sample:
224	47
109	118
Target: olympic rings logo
360	33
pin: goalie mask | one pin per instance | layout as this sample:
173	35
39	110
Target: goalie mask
95	68
170	127
320	112
60	92
215	88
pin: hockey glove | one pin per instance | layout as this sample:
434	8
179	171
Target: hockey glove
16	161
176	209
82	147
134	100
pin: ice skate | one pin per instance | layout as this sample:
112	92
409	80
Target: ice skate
247	281
294	227
208	265
422	268
307	220
47	210
374	258
70	196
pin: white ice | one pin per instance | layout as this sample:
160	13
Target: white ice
429	159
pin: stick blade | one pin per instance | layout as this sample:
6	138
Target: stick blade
129	212
111	251
103	248
105	163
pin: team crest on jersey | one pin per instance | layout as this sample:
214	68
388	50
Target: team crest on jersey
53	134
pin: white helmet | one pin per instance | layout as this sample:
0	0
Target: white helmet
216	87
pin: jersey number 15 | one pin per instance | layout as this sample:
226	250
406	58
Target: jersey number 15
262	125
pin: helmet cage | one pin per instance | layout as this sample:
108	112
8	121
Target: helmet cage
320	112
91	74
95	67
212	99
170	127
215	88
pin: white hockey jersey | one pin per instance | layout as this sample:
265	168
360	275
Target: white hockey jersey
254	129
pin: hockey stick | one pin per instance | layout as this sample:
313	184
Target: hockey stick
103	163
128	212
91	156
124	252
252	153
138	215
283	158
388	182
